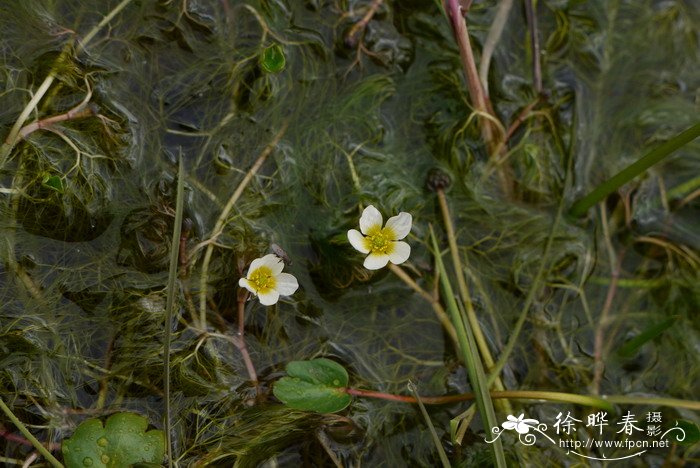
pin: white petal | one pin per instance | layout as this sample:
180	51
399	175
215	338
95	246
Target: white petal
376	261
244	283
400	225
357	240
522	428
371	218
400	252
509	425
269	298
272	261
286	284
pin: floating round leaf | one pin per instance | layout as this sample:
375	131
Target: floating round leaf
316	385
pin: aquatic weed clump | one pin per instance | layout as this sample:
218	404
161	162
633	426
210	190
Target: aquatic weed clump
155	153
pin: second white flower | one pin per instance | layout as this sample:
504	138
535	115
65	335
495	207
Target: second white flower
383	244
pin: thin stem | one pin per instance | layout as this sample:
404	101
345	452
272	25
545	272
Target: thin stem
535	44
466	297
240	342
584	400
80	111
13	137
494	35
360	25
170	302
434	302
221	221
476	91
470	355
23	429
599	366
436	439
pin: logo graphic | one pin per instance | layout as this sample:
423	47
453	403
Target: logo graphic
528	431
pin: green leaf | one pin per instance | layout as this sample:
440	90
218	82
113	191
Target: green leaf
633	344
53	182
690	434
272	59
121	443
316	385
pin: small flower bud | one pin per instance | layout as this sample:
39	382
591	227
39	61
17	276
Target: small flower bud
437	180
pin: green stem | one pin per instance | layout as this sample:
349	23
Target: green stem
633	170
584	400
172	279
436	439
470	355
23	429
466	297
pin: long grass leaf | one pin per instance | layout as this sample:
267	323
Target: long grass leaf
441	450
633	170
172	289
23	429
470	355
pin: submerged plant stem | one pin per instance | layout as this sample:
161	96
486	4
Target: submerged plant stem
494	35
442	316
23	429
535	44
170	304
240	342
14	136
464	293
360	25
584	400
470	355
221	222
436	439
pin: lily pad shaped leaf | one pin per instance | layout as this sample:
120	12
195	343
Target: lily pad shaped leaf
122	442
316	385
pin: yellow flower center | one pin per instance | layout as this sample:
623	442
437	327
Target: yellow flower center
380	241
262	280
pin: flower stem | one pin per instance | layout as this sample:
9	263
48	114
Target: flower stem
470	355
221	222
240	342
466	297
434	302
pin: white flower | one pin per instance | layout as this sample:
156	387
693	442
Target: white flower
382	244
266	280
522	426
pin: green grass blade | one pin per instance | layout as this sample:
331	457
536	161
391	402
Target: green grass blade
632	345
633	170
470	355
441	451
23	429
172	289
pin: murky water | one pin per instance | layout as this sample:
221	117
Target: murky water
87	211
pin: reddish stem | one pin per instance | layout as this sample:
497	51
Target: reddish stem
441	400
7	435
240	339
